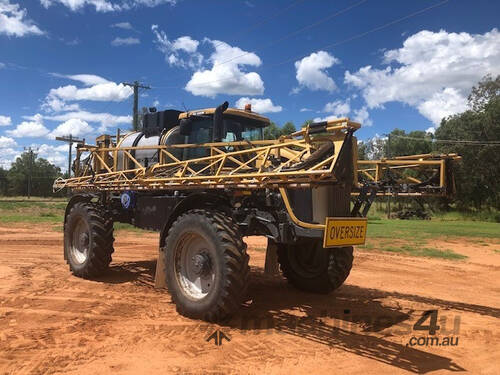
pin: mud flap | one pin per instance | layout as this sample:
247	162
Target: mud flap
160	276
271	266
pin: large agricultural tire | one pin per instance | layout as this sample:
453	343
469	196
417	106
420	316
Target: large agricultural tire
88	240
311	268
206	265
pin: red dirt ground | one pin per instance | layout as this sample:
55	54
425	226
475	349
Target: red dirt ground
54	323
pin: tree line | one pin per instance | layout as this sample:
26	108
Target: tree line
473	134
29	174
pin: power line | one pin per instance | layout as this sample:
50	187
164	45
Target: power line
265	20
319	22
328	46
286	36
457	141
378	28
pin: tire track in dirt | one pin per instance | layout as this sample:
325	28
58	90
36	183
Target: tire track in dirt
52	322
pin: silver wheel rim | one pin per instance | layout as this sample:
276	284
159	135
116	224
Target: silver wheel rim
80	242
194	265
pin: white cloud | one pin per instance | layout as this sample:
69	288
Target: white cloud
156	103
226	75
5	120
181	52
96	88
13	21
74	126
86	79
31	129
433	72
2	65
338	107
125	41
362	116
103	92
442	104
6	142
259	105
311	71
8	156
106	5
53	104
123	25
74	5
104	119
305	110
57	155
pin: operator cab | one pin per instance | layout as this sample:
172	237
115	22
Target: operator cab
219	124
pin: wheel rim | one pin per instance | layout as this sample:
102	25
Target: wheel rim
194	265
80	241
307	260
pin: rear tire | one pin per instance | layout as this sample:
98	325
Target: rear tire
206	265
88	240
311	268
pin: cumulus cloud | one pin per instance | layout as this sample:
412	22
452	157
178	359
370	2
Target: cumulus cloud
181	52
338	107
7	156
311	71
102	92
125	41
123	25
29	129
5	120
259	105
74	126
96	89
104	119
57	155
106	5
6	142
432	72
13	20
362	116
226	76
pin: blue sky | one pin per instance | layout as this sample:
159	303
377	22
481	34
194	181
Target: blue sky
385	63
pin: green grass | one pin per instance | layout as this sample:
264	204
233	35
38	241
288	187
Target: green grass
129	228
416	250
428	229
23	218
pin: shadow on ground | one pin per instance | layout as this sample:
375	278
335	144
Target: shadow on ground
277	307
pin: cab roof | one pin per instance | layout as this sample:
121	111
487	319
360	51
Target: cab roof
228	112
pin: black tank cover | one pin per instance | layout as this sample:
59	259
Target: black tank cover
155	122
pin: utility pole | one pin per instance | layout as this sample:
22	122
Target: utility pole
31	161
136	85
70	141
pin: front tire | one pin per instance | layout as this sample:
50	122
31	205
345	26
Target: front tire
311	268
206	265
88	240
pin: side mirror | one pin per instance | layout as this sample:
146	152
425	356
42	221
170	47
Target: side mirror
185	126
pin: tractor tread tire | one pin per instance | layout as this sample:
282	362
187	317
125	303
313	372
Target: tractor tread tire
231	248
101	240
330	278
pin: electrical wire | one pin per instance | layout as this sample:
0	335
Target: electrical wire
456	141
328	46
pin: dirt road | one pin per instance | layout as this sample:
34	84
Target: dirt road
53	323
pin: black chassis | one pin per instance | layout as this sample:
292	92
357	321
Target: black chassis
259	212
